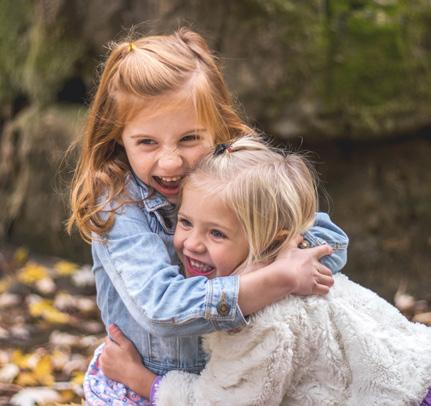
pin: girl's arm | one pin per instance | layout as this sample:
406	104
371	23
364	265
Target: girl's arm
251	367
324	231
159	298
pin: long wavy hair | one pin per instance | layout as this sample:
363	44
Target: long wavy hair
152	72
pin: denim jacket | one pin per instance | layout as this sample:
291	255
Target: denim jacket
140	287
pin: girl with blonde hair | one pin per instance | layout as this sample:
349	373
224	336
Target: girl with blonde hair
160	106
347	348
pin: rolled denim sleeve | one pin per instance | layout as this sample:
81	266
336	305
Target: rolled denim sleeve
154	291
324	231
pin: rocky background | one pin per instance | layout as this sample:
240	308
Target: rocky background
348	80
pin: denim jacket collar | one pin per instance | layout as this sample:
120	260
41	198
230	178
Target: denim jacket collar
157	205
151	203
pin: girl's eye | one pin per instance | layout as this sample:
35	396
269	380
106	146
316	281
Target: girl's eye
184	222
218	234
146	141
190	137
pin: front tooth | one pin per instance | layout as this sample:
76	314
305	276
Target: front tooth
174	179
200	266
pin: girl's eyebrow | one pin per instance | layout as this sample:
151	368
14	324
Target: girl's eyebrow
207	223
197	130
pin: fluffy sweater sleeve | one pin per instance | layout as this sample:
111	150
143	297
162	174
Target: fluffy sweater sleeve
251	367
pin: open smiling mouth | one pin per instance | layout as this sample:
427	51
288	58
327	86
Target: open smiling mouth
197	268
168	182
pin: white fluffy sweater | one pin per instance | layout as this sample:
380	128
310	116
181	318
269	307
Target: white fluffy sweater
348	348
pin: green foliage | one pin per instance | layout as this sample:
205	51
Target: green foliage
15	20
39	50
364	60
54	49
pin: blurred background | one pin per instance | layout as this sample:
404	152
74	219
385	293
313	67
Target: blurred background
348	80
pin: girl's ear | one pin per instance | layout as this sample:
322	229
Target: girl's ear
281	235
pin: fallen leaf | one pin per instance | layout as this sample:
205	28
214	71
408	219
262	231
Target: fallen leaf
424	318
5	357
26	378
67	395
44	308
32	272
21	255
76	363
20	331
4	333
43	371
45	286
8	373
78	377
60	339
20	359
34	396
65	268
9	300
403	301
4	285
59	359
83	277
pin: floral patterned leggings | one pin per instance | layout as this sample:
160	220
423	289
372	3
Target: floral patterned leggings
99	390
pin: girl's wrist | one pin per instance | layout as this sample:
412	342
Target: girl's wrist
141	380
280	279
154	389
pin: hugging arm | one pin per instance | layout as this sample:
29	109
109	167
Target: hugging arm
164	303
253	366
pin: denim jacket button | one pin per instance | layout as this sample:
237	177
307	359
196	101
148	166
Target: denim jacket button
223	309
304	244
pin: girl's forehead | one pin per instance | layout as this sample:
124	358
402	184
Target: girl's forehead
158	105
204	187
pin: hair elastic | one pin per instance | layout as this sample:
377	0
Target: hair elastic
221	148
132	46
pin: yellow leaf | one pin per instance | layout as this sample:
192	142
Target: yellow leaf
26	379
65	268
78	377
54	316
21	255
44	308
43	371
67	395
32	272
20	359
4	285
59	359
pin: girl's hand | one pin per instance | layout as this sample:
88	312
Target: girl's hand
121	362
306	274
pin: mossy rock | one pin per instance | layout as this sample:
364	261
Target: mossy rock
34	179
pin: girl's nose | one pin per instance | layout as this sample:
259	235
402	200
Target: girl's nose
170	160
194	244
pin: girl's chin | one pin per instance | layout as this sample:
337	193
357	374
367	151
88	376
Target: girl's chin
171	196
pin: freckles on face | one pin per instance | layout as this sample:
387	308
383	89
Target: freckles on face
163	147
208	238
